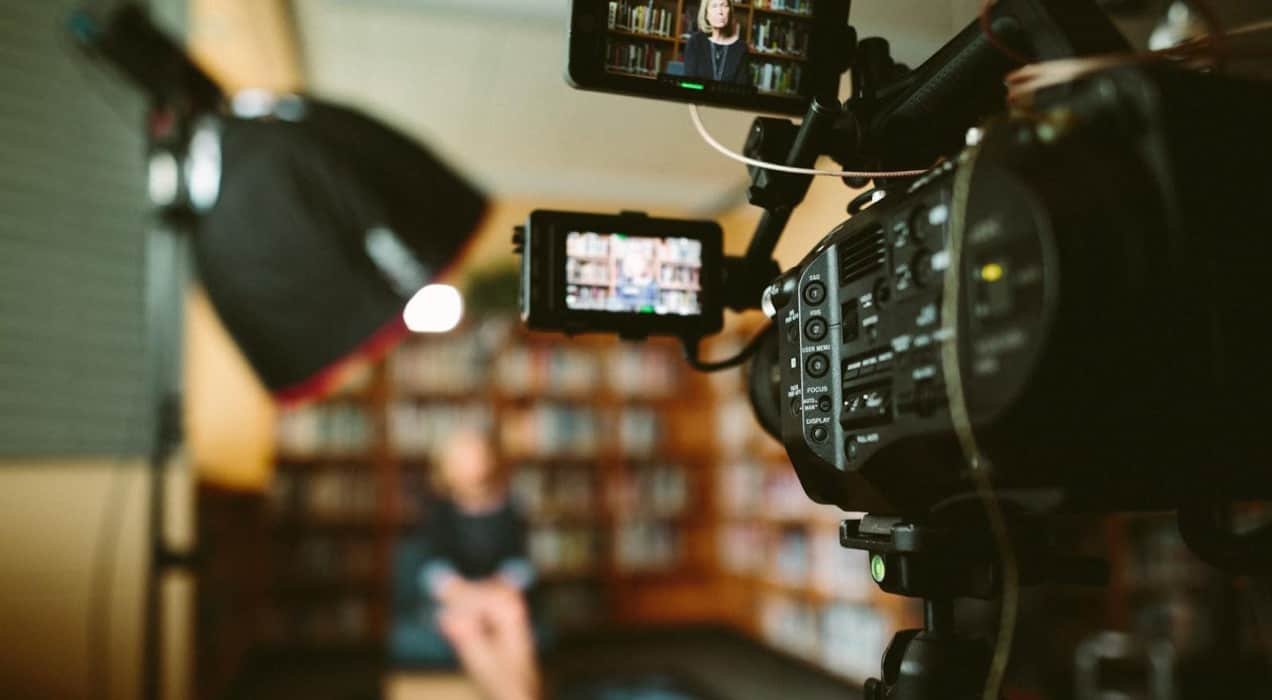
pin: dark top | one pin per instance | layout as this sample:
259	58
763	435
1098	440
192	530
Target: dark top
475	546
729	64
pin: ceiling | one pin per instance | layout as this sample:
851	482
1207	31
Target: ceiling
481	82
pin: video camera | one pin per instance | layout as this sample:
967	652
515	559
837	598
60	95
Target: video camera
1065	310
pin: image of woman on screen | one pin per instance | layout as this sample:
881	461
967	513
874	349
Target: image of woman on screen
718	51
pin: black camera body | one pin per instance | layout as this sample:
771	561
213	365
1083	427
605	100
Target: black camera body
1111	312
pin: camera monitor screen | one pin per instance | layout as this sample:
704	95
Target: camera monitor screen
618	273
759	55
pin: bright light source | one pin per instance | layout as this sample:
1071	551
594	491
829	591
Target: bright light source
203	166
436	308
163	178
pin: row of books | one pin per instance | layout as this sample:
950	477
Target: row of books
548	430
346	621
415	430
780	35
776	77
680	275
547	492
540	369
657	490
640	430
632	57
812	560
653	490
636	371
784	498
646	545
334	493
802	7
742	548
600	272
452	364
846	638
324	559
643	371
603	273
632	298
641	17
331	428
572	605
736	431
551	430
740	487
564	549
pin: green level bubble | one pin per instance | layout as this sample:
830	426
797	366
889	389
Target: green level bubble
878	569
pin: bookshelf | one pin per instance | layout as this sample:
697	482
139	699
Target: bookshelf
613	491
644	37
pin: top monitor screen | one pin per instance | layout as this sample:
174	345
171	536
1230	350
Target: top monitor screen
762	45
757	55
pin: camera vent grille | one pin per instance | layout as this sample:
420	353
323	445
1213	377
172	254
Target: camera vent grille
862	255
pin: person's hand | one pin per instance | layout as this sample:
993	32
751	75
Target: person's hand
458	592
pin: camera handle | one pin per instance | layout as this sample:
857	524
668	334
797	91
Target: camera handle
939	564
776	140
828	128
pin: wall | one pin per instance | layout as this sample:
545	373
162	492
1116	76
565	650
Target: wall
72	487
71	578
72	529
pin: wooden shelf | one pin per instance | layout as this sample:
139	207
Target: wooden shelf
684	516
633	74
801	592
329	588
756	53
568	576
567	518
301	524
625	33
320	459
807	16
467	396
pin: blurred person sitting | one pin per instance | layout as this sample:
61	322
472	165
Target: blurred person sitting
471	576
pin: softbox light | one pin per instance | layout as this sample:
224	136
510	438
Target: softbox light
312	224
322	230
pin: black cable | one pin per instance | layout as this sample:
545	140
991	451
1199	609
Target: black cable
691	353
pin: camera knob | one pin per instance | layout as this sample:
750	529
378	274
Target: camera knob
778	295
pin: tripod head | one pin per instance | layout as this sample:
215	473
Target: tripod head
940	562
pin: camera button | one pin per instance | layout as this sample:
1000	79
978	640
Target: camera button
817	364
815	293
816	328
819	433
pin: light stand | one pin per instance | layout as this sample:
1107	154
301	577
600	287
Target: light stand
167	274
